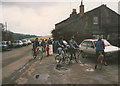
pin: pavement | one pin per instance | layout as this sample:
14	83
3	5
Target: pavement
14	60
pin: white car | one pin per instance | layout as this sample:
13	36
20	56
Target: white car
29	42
3	45
25	42
17	43
88	48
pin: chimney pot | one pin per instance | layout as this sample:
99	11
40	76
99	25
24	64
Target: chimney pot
74	10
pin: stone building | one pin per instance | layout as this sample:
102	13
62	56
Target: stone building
100	21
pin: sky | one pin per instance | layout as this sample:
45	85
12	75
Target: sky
39	18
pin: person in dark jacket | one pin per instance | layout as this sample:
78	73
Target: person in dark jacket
35	45
100	46
73	46
49	41
60	44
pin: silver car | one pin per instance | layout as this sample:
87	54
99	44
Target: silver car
3	45
17	43
88	48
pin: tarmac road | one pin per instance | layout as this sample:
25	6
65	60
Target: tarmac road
14	60
45	72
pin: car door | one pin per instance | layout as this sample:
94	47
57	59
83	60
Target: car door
90	48
83	46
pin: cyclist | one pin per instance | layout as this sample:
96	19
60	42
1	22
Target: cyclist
60	44
35	45
73	46
43	44
100	46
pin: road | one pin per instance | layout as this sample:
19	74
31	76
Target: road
14	60
45	72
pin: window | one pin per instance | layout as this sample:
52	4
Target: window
90	44
84	43
95	20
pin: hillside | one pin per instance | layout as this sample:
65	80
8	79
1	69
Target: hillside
40	37
11	36
18	36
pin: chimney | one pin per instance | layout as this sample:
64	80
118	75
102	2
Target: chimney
73	13
74	10
81	8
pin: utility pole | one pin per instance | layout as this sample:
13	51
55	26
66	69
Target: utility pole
6	31
6	26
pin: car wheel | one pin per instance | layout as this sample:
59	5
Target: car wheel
83	54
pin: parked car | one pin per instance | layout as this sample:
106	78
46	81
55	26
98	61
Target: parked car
17	43
32	41
29	42
4	45
25	42
88	48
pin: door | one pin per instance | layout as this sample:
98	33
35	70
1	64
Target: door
90	48
83	46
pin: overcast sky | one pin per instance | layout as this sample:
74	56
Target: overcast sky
39	18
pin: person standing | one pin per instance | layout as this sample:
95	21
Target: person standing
60	44
47	49
35	45
49	42
73	46
43	45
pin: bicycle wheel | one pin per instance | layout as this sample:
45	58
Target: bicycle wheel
58	58
67	60
83	55
78	57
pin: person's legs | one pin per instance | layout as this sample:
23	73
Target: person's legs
97	54
71	52
75	56
44	49
71	56
104	60
47	53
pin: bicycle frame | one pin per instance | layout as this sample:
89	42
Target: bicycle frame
100	59
62	55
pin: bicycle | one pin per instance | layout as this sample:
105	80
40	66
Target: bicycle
38	53
78	55
62	56
100	60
